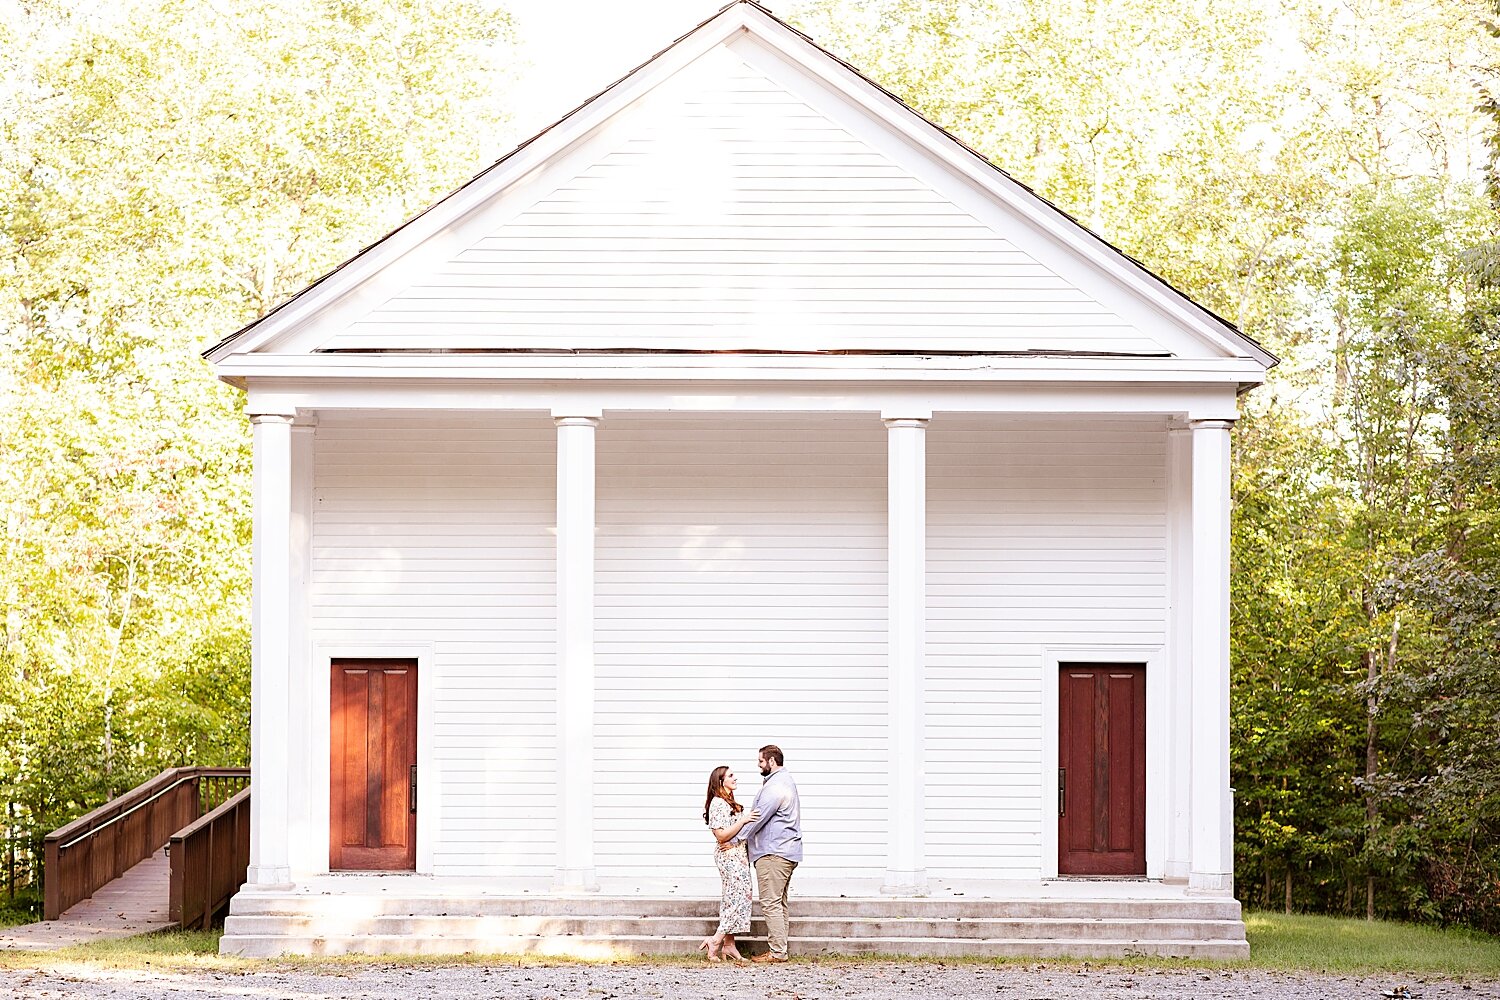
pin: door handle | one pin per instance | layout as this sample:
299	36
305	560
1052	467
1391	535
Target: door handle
414	788
1062	791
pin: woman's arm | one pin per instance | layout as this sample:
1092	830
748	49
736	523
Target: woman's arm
725	834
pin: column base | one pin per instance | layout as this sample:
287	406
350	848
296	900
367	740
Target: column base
1210	884
1175	871
270	876
912	883
575	881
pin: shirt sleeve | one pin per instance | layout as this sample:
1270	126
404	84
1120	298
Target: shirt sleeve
767	810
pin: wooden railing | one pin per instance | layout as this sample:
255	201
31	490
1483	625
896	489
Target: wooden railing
209	857
99	847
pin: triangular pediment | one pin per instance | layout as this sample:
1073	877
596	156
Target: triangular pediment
739	198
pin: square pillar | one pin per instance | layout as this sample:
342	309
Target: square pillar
270	649
1179	688
307	841
906	590
1212	809
575	650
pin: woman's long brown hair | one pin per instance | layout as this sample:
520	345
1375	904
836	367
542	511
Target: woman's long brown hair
716	790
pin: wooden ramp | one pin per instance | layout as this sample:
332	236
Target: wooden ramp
134	903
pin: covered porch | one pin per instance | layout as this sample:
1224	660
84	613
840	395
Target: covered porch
607	591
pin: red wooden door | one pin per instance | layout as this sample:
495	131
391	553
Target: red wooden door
373	741
1101	715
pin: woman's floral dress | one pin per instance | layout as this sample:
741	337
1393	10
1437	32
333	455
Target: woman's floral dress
734	874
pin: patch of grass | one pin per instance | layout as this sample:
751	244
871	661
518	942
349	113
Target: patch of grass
166	950
1307	943
23	909
1296	943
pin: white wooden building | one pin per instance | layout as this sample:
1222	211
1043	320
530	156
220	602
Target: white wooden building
742	406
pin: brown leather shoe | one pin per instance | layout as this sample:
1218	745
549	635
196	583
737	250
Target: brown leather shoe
766	956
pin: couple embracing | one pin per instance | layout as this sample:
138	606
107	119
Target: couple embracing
768	836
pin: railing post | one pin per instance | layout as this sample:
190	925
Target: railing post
209	889
51	880
174	883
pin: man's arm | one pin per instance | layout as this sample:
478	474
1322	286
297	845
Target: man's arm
765	814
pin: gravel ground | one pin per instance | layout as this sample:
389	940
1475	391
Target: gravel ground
822	981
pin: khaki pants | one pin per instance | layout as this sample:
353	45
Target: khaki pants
774	874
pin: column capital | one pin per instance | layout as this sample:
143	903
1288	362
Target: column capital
577	416
1211	424
891	420
272	418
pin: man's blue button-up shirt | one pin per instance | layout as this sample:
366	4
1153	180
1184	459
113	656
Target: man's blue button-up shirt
779	829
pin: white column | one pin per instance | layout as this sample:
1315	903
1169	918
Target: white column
1212	818
906	588
270	648
575	650
1179	688
308	842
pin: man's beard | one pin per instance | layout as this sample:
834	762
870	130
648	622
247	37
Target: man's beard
765	772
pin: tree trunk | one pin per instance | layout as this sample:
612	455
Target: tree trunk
1289	889
10	851
1372	761
1372	746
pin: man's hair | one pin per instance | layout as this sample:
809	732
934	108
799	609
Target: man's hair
773	752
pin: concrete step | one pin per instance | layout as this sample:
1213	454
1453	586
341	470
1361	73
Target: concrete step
822	928
293	904
631	945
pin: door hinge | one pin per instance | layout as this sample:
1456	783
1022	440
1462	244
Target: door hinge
414	788
1062	791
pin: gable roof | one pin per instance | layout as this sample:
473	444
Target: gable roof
745	17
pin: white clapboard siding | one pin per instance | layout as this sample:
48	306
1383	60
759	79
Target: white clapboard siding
436	529
1040	532
726	212
741	601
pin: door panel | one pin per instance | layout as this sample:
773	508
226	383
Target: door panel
373	745
1102	770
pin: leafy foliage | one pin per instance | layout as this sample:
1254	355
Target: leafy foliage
169	171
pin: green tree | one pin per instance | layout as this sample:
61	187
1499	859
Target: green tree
168	172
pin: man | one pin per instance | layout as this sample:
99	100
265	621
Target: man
775	843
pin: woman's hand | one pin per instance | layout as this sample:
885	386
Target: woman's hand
749	817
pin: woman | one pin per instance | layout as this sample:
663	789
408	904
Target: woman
720	812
